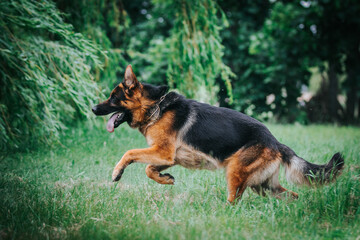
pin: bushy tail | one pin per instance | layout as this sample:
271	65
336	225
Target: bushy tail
301	171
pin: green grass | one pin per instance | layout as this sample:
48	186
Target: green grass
66	192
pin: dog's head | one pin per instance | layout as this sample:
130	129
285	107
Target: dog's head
129	101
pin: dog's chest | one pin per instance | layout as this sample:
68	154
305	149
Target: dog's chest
189	157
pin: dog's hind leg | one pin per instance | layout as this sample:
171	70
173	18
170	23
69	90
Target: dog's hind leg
236	187
271	183
260	189
278	191
256	167
236	179
153	172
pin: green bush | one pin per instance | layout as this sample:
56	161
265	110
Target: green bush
45	73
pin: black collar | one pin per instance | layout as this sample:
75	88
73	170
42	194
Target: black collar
156	111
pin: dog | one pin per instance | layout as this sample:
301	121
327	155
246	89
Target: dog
196	135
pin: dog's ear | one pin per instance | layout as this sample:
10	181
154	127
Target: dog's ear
163	90
130	80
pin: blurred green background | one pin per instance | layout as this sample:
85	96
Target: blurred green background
279	61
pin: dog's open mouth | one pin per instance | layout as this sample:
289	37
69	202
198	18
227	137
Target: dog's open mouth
115	120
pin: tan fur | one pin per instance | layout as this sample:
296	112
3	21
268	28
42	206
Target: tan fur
137	104
189	157
254	167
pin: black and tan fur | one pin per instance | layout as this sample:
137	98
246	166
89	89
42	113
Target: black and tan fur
195	135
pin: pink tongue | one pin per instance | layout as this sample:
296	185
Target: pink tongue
110	124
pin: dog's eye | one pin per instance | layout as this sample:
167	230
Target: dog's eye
114	99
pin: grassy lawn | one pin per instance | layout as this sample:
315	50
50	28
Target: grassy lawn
66	192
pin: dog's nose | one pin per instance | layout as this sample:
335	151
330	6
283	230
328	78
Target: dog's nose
94	109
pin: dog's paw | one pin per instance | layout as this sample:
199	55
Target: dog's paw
116	175
168	179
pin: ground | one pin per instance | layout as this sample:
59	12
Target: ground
66	192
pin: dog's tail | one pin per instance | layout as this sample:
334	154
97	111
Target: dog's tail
300	171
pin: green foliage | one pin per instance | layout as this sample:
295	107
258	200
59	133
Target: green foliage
271	45
45	73
265	57
148	47
106	24
179	45
245	19
195	50
284	51
67	193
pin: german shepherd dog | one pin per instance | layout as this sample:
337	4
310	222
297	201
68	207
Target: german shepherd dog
195	135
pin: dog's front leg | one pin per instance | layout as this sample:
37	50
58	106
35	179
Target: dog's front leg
153	172
154	155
